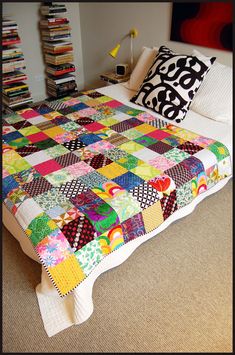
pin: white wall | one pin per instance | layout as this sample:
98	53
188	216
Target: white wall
96	28
103	24
27	16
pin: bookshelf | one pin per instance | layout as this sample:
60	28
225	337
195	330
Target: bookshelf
58	50
15	92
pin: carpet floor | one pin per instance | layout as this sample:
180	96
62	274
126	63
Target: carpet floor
174	294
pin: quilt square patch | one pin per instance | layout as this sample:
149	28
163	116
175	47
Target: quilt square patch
189	147
37	186
115	153
37	158
95	126
101	216
79	232
59	177
101	147
16	166
151	223
160	147
89	139
129	162
51	115
47	167
131	147
219	150
145	154
184	194
70	126
93	179
27	131
67	159
79	169
199	184
202	141
159	134
144	128
12	136
176	155
128	180
129	110
193	165
54	131
145	140
109	122
121	126
27	113
56	151
42	108
74	144
98	161
27	150
67	274
133	227
37	137
9	183
19	142
84	121
125	205
54	249
162	163
53	198
89	256
179	174
26	176
117	139
173	140
21	124
45	125
72	188
146	171
112	170
44	144
40	227
132	134
145	194
169	204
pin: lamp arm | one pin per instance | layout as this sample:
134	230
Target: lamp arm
132	53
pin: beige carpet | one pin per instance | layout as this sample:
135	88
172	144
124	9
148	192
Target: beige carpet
172	295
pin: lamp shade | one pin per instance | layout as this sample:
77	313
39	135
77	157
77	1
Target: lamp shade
115	50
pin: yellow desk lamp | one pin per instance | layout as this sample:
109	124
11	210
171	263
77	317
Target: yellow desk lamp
132	33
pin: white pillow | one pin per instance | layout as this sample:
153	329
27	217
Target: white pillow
143	64
214	97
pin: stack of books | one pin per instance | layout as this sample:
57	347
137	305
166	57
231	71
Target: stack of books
52	9
58	51
14	91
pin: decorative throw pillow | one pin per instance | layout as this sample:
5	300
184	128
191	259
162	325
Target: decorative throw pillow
214	98
141	68
171	83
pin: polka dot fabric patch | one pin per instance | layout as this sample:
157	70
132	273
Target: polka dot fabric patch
85	175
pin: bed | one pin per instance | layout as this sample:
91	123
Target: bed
64	303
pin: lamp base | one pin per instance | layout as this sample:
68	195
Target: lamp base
122	69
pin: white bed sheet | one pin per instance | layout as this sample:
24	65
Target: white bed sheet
60	313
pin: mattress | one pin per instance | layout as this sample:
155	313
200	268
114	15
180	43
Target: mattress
51	305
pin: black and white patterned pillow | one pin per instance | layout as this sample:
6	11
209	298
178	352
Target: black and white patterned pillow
171	83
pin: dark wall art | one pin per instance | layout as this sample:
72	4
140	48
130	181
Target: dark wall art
207	24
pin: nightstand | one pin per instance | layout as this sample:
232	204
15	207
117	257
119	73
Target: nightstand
113	78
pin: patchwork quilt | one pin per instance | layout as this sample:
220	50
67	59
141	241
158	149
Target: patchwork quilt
85	175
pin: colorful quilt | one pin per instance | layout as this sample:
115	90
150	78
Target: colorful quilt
83	176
